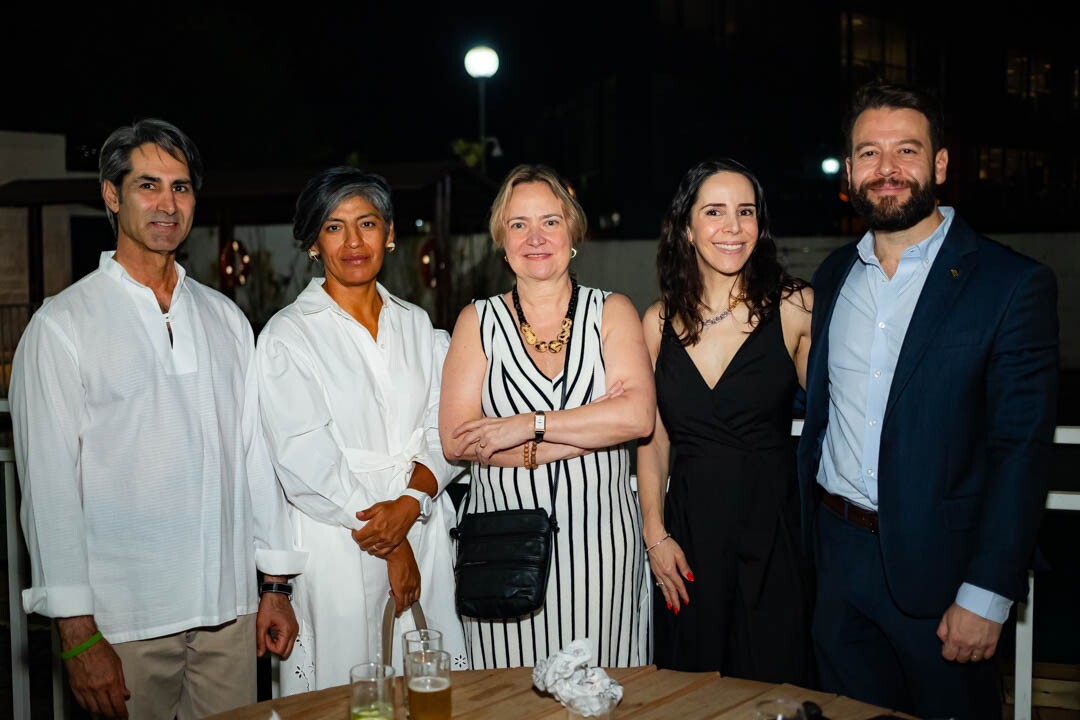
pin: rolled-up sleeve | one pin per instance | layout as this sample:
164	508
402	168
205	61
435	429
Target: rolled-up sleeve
274	550
432	456
47	407
313	471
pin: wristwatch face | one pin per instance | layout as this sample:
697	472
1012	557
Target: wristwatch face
539	422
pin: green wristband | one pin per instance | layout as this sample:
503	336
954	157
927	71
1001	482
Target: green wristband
81	647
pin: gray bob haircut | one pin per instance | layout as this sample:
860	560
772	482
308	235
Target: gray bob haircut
326	190
114	161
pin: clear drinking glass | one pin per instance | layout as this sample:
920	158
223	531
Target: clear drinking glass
371	692
427	675
416	640
779	710
591	708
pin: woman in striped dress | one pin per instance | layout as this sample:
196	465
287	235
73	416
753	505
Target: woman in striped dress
502	408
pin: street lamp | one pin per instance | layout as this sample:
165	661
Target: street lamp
481	62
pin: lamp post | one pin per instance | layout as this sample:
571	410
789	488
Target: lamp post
481	62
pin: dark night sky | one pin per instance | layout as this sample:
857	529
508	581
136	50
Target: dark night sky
310	85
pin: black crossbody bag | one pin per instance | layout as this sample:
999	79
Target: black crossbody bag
504	557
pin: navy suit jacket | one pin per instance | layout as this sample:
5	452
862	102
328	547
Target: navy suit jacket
968	427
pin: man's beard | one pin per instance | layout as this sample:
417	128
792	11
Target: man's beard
889	215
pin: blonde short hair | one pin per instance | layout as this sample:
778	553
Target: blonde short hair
576	223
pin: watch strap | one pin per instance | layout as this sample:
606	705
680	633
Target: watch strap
276	587
422	498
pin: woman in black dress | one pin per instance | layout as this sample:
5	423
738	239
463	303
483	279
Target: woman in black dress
729	341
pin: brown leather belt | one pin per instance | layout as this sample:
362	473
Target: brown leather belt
851	512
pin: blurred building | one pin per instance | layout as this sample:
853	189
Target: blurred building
766	82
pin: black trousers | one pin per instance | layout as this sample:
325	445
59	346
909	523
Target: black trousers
868	649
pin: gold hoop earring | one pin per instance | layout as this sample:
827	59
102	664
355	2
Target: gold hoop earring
573	253
312	255
391	246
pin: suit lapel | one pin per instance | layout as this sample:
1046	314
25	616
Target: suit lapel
948	276
827	288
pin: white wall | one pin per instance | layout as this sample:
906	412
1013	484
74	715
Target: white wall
29	156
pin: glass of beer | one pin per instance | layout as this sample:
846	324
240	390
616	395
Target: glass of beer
371	692
427	675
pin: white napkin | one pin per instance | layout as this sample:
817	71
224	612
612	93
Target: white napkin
567	676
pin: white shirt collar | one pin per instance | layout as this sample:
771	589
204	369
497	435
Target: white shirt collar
314	298
108	265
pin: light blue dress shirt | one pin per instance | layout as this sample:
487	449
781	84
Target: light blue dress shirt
868	326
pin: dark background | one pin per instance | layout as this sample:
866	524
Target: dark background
619	97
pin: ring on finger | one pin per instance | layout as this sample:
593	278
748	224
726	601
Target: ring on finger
659	584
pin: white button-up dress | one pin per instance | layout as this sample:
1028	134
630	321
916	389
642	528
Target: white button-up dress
346	417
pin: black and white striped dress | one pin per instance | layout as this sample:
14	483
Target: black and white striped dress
597	589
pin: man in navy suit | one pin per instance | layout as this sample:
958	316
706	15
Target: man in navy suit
931	393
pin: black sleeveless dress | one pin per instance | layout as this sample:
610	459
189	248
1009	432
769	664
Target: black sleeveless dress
732	504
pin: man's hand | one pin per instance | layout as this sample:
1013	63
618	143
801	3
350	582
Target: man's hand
275	624
967	637
404	577
96	674
387	523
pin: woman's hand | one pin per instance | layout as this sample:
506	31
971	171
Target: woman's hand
404	576
387	523
489	435
669	567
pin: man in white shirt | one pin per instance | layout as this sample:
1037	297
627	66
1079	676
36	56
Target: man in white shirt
149	498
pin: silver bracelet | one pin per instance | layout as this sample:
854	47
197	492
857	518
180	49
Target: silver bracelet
658	542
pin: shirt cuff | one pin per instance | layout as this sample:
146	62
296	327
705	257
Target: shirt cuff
984	603
59	600
280	562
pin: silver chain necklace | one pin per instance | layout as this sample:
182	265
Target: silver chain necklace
722	316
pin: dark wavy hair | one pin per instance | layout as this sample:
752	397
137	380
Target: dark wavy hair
878	94
764	280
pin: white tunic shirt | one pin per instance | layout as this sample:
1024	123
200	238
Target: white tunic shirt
148	494
347	416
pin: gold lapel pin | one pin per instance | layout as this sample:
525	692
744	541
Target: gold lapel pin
955	273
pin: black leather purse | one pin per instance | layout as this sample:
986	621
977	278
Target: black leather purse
503	563
504	557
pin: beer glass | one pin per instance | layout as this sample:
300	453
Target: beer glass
427	675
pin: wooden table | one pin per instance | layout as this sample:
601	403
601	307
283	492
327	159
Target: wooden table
647	693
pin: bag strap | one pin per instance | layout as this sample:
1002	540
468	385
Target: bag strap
388	626
553	483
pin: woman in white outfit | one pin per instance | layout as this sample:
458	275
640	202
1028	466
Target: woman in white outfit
349	379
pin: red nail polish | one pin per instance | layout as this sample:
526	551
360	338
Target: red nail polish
686	603
669	606
690	576
676	611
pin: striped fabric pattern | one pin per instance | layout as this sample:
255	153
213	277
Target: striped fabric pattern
597	589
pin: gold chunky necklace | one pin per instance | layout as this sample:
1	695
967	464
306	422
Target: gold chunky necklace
563	337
